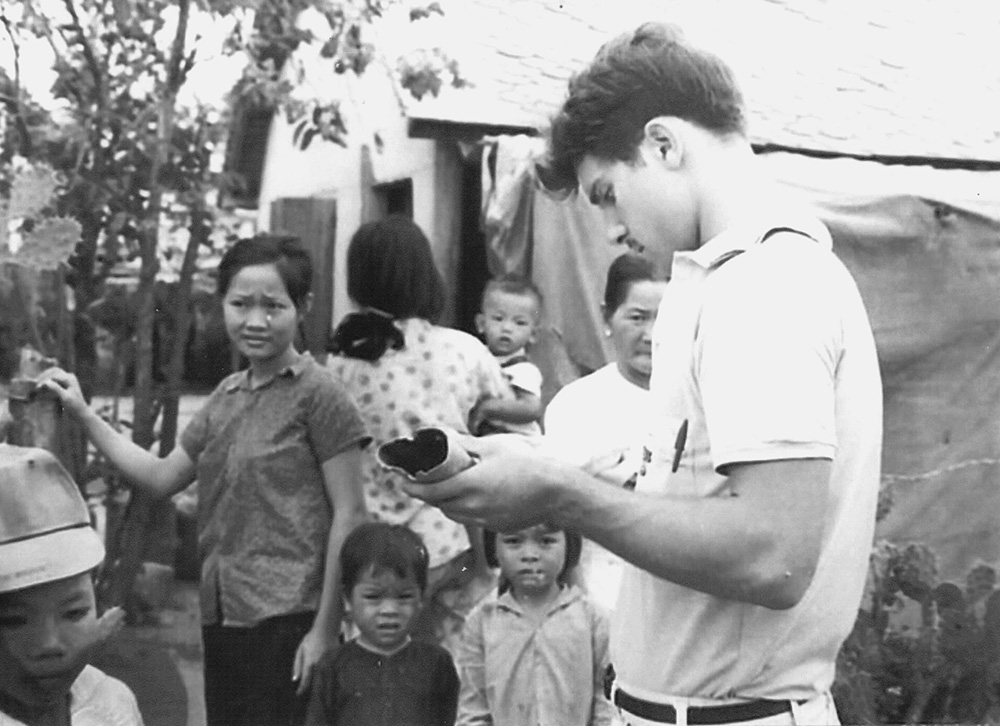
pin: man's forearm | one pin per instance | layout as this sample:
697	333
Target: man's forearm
754	547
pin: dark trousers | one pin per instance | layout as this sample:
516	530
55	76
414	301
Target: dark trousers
248	672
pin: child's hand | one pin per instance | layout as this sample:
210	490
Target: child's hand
107	625
478	415
97	632
66	386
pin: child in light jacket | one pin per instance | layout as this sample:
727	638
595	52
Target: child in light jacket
537	653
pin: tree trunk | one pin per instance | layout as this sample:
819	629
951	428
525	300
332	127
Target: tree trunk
198	229
129	545
26	282
36	416
85	283
132	538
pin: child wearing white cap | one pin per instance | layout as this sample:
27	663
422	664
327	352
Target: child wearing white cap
48	616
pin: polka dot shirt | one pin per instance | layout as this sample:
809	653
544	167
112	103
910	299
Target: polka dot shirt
434	380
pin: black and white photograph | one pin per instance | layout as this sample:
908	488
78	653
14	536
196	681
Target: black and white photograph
499	362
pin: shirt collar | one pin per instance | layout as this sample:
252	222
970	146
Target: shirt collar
501	359
740	236
414	325
567	594
381	653
292	370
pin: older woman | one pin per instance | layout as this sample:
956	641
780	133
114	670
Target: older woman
405	372
598	421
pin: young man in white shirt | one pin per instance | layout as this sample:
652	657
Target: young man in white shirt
749	531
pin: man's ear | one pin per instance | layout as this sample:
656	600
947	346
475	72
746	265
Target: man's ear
480	323
662	136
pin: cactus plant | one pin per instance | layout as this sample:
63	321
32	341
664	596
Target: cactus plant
946	669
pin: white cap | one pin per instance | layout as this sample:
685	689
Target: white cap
45	530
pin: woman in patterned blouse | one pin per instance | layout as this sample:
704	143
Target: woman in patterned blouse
405	372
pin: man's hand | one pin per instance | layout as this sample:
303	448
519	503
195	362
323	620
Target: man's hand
504	491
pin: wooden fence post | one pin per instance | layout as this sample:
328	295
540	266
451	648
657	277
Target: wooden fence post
36	417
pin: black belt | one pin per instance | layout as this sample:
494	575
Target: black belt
731	713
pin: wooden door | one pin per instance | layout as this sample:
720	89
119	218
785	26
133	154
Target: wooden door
314	221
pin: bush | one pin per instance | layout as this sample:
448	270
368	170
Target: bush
921	651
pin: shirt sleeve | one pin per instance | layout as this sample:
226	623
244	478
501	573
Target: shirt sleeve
603	712
97	698
335	423
526	377
124	707
766	355
473	707
195	434
447	689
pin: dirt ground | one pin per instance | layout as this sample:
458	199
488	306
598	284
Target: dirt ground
161	662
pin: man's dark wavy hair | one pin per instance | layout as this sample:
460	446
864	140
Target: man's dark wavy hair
637	76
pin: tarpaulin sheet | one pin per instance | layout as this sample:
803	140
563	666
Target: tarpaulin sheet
924	247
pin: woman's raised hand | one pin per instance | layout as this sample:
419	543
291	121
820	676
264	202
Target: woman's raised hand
66	386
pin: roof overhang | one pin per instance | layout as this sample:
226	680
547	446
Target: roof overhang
470	131
937	162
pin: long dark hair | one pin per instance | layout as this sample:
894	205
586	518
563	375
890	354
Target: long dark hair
390	268
392	276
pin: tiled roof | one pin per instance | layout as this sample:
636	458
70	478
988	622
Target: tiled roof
863	77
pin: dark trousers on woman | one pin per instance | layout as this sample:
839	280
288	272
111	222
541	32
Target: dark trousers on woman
248	672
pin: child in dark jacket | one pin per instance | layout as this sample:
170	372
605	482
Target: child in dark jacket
382	677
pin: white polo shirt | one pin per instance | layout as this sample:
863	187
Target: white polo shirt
766	350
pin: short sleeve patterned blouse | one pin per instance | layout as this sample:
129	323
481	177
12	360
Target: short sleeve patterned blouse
434	380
